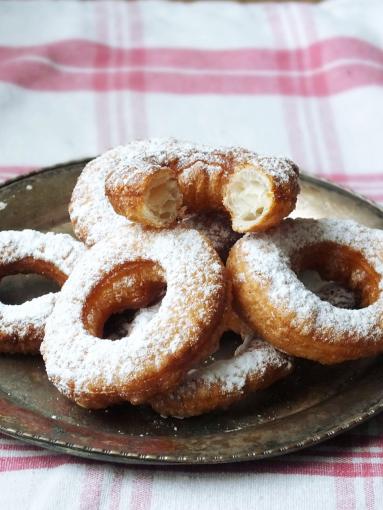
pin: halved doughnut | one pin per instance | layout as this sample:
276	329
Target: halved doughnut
256	191
154	182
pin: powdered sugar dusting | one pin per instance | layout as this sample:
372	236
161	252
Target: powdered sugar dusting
137	326
267	257
58	250
253	356
233	374
194	277
91	212
216	227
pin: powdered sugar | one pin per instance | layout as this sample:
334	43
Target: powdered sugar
254	365
216	227
26	321
92	214
90	211
137	326
195	288
233	374
267	259
253	356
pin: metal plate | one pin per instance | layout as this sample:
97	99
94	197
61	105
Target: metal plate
310	406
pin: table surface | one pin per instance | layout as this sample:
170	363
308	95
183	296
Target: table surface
294	79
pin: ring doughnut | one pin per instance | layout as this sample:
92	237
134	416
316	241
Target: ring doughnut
29	251
255	365
96	373
206	178
151	185
272	299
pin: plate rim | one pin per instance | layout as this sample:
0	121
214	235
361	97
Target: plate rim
133	458
190	459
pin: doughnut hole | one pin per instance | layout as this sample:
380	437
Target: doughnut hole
129	286
162	199
27	279
248	197
343	265
228	345
123	324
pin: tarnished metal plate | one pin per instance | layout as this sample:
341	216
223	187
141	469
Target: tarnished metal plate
313	404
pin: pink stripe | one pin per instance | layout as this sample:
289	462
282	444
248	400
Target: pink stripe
368	483
307	89
142	488
344	493
16	170
369	495
39	76
142	485
115	490
337	469
100	81
92	488
35	462
137	101
322	87
80	53
345	490
20	447
119	25
289	106
288	466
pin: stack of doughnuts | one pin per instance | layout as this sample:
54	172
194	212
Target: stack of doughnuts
194	242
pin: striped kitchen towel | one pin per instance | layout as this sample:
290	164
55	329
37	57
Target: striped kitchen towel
294	79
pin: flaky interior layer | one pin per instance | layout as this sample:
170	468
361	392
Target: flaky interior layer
248	197
163	199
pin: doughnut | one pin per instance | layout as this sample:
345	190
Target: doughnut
255	365
153	182
216	227
97	372
271	299
29	251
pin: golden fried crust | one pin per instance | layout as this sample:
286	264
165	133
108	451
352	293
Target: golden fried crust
29	251
155	183
221	384
202	182
115	273
270	297
151	197
235	174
